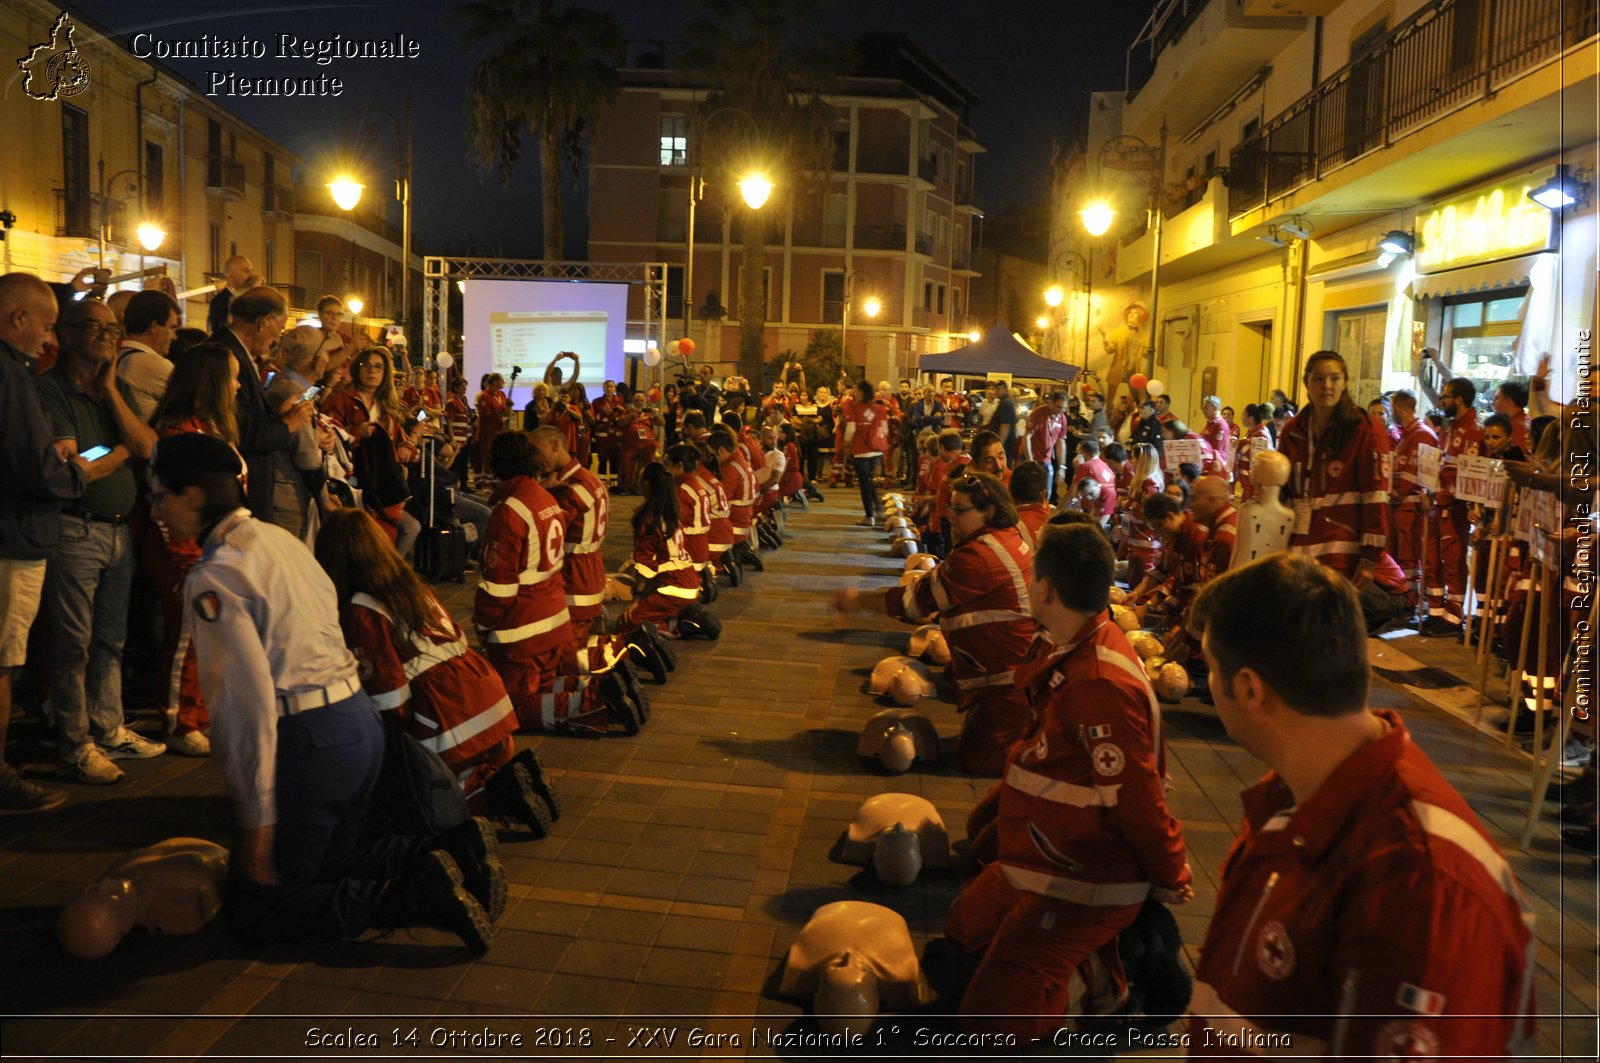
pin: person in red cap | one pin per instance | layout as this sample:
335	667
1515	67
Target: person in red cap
1363	911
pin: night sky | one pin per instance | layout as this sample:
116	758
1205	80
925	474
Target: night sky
1025	59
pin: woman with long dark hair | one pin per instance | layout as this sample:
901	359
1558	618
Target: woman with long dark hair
1255	438
1339	487
668	583
367	407
427	682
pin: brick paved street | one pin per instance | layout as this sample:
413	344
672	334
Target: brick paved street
685	862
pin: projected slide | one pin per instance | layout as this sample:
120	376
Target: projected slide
526	323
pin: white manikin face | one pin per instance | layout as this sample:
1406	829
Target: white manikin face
847	997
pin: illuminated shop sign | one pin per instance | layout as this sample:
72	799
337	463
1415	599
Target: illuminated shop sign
1491	223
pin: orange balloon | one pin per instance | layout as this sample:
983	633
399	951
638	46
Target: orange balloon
686	345
1138	381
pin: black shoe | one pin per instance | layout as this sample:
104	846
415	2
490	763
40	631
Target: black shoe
732	568
1437	627
747	556
630	682
708	586
767	537
543	785
642	652
1583	815
620	708
432	894
1584	839
695	623
661	646
813	494
512	794
476	851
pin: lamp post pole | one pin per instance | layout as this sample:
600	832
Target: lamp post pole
403	157
101	227
1153	207
697	187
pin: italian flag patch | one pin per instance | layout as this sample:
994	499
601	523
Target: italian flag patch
1100	731
1422	1001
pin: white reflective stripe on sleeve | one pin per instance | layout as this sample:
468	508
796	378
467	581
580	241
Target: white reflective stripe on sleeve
430	653
1062	793
586	599
516	506
498	590
1236	1031
1374	539
1350	498
687	593
583	548
644	570
1278	822
527	631
1342	546
998	679
980	616
392	699
532	577
1019	582
1075	891
936	584
908	601
1118	660
468	729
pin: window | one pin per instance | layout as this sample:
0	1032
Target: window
308	270
269	194
927	294
1251	127
155	181
674	306
841	149
1481	335
272	260
674	140
216	248
75	170
213	154
832	295
938	307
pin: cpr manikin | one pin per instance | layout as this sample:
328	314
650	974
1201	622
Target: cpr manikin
928	643
172	887
898	737
1264	521
903	679
851	957
899	834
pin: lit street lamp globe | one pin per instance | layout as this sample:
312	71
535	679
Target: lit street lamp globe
755	189
1097	218
355	305
872	306
346	192
150	235
1053	295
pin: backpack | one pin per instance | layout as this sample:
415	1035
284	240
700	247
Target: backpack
415	794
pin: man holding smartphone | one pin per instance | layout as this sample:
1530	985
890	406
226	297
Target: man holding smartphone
256	318
89	580
304	351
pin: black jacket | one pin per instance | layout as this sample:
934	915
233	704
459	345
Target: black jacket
262	435
34	481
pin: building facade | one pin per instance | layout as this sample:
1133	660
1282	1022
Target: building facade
893	219
1291	138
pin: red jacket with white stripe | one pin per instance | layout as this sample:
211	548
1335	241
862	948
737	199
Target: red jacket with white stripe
1221	534
1097	470
717	510
1465	437
1082	817
980	592
694	517
740	484
521	599
1219	437
451	699
1031	520
1379	895
1347	494
664	563
1403	487
585	508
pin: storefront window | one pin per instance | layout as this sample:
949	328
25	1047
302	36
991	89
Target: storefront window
1359	335
1481	336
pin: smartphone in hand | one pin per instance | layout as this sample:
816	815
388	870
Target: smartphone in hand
95	453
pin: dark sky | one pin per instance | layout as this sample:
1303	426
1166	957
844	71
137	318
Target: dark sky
1025	59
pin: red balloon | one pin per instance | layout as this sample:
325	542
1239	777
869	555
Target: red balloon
1138	381
686	345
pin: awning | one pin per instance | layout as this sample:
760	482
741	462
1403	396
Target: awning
1506	273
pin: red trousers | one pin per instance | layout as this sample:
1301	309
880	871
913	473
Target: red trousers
992	718
1406	537
1446	577
1043	960
545	691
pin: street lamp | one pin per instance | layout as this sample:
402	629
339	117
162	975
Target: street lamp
870	305
355	305
347	193
150	234
1097	219
755	187
1070	262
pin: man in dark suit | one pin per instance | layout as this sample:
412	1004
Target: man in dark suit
238	277
256	318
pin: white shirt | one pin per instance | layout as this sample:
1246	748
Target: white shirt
145	372
264	620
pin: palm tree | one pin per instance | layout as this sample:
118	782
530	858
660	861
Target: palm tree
551	70
766	110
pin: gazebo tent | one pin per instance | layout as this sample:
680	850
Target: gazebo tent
998	352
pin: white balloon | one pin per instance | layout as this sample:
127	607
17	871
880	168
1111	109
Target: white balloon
652	356
672	346
1156	387
444	360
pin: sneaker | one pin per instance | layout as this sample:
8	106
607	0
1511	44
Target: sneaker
89	765
190	744
1437	627
1576	753
124	744
18	796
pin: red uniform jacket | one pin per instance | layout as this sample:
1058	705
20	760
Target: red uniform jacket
1465	437
1220	536
609	411
1183	558
718	509
1341	501
458	418
1045	427
1403	487
793	478
665	564
1082	816
1379	895
492	407
1219	436
980	592
585	509
941	499
694	518
1102	474
740	484
521	600
451	699
1031	520
573	420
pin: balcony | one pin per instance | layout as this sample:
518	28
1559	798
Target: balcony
278	200
969	197
920	316
79	213
1447	56
224	177
963	262
923	244
877	160
881	237
928	170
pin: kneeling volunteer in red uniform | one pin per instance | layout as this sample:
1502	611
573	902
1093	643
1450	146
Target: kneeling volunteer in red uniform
980	594
1363	910
415	664
668	578
1082	827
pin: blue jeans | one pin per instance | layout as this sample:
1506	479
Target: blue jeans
866	471
87	587
470	511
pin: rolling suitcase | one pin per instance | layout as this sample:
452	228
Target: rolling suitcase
441	550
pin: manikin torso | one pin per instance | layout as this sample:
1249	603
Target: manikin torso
1264	521
172	887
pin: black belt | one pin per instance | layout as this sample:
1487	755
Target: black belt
98	518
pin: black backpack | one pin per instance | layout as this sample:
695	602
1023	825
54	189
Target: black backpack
416	794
